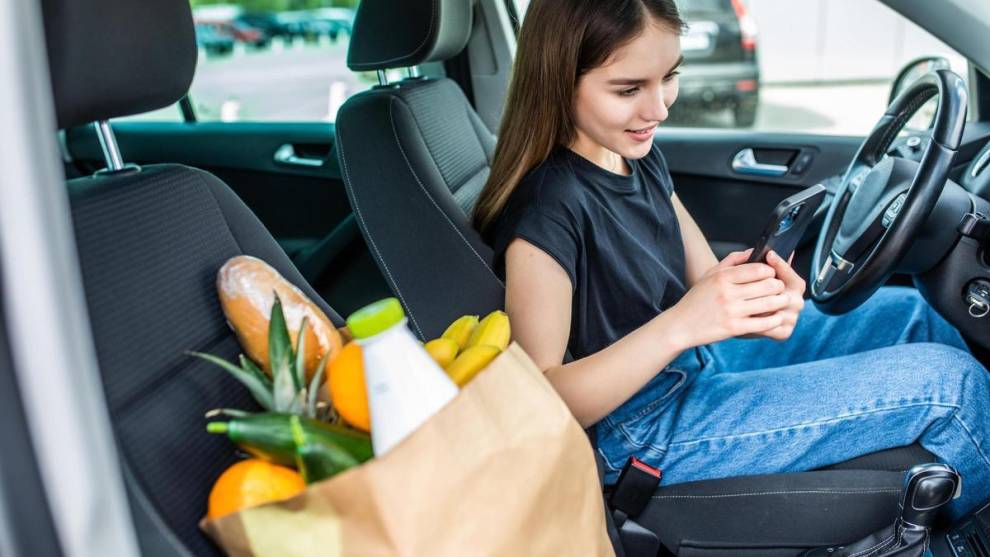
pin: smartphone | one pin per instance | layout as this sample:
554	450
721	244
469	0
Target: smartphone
787	224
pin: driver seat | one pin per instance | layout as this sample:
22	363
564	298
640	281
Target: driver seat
415	155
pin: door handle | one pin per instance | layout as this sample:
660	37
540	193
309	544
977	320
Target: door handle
745	163
286	154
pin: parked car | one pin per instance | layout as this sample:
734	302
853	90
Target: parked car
212	41
242	32
720	54
269	23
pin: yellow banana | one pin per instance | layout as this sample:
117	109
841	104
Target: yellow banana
470	362
493	330
443	351
460	330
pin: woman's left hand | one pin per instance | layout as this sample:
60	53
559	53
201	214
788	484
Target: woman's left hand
794	287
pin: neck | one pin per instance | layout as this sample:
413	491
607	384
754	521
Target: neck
589	149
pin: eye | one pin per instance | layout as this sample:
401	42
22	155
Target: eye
670	77
628	92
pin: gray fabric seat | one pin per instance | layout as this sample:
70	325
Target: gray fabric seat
150	242
415	156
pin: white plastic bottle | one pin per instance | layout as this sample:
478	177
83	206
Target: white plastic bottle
405	386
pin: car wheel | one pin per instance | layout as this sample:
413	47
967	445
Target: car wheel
744	115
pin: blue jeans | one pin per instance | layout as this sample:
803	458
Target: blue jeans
890	373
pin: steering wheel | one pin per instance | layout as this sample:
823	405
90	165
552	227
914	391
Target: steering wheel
883	201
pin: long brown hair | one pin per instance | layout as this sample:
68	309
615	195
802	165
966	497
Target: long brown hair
559	41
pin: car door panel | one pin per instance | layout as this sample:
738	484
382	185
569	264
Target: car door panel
730	207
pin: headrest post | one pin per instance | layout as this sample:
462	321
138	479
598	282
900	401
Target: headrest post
413	71
382	78
111	153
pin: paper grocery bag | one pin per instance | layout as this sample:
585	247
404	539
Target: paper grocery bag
503	469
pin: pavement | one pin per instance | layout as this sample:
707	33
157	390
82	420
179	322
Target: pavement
309	82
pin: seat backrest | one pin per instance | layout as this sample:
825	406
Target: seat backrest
415	156
150	242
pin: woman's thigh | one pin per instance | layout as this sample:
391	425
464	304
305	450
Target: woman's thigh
806	416
893	315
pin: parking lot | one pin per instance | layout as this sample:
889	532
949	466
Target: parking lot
309	82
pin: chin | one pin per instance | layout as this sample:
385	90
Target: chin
636	150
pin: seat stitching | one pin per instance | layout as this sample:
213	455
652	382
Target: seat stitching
873	548
412	171
876	548
429	31
367	231
781	492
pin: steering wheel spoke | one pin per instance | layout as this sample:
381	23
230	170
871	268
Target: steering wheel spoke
885	200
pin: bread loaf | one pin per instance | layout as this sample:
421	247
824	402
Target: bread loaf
246	286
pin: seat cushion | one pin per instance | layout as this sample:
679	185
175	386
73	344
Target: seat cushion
150	244
769	515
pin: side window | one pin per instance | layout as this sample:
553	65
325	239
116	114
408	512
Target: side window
270	61
817	66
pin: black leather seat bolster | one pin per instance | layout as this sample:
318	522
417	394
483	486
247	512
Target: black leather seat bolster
400	167
778	514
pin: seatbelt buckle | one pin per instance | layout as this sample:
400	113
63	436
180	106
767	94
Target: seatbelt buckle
635	487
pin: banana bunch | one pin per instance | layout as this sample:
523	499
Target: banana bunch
468	345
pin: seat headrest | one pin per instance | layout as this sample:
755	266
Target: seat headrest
111	58
403	33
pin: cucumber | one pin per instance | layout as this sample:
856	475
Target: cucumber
317	459
269	436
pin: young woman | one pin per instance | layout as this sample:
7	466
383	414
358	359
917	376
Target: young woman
674	353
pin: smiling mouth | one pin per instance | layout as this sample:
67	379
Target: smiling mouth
643	130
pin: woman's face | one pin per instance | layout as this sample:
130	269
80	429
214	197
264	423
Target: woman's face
618	105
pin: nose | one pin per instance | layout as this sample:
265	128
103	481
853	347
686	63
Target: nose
655	109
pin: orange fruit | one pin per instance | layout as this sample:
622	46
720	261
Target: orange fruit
250	483
346	386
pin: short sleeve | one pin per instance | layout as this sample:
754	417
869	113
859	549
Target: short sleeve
666	181
551	234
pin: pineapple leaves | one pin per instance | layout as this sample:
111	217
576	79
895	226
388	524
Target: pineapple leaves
280	349
299	369
259	390
285	390
314	386
248	365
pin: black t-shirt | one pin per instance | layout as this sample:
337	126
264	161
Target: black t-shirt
616	236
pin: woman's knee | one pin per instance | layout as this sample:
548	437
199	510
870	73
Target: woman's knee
957	371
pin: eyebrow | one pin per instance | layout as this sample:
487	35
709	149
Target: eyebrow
639	81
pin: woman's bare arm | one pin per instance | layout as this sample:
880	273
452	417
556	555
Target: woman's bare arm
698	254
538	301
733	298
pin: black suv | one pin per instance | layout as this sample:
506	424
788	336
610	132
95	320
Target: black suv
720	69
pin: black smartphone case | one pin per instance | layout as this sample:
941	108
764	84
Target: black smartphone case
782	236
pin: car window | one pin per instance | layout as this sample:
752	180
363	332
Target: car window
270	60
808	66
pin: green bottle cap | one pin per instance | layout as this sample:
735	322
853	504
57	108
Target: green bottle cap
375	318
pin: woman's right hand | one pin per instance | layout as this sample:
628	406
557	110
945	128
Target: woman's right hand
733	298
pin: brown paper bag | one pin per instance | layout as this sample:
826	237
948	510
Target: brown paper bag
504	469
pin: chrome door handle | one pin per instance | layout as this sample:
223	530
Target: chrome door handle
745	163
286	154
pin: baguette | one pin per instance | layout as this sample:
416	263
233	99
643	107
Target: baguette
246	286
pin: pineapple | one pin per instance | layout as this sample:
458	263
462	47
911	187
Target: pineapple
286	390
